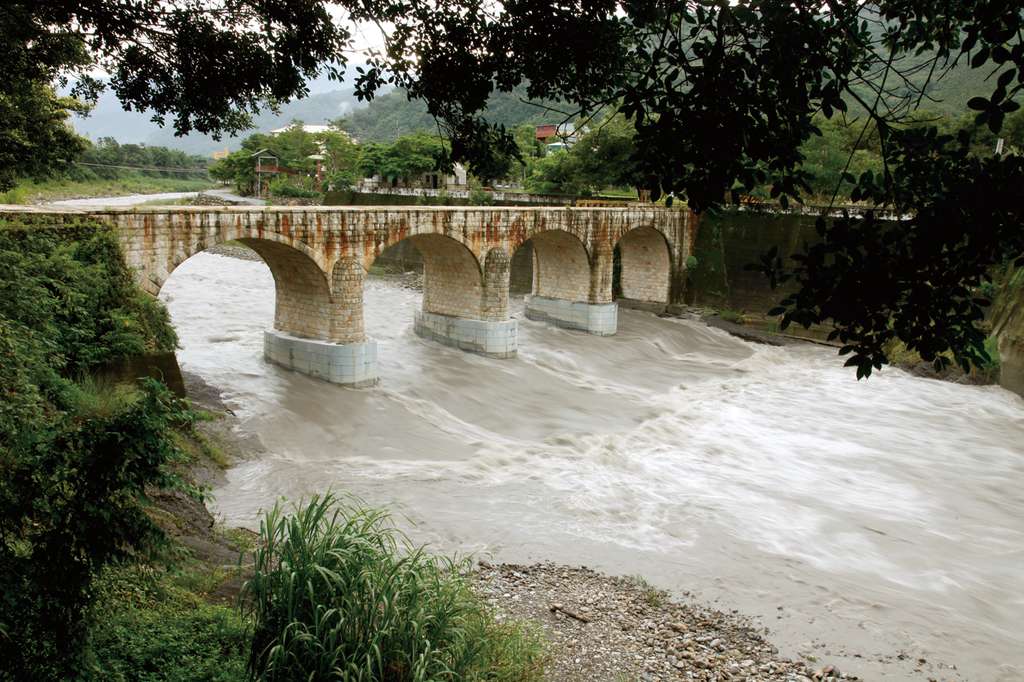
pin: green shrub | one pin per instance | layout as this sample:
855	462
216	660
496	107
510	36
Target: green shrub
283	187
153	627
75	455
69	291
480	197
338	593
734	316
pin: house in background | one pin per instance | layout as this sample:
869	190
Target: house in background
433	181
561	136
545	133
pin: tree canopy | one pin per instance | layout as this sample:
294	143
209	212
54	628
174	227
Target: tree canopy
723	97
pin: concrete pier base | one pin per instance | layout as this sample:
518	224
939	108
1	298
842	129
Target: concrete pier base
493	339
350	364
594	318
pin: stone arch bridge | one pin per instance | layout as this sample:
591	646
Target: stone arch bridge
319	257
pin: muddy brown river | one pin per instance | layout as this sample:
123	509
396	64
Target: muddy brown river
868	524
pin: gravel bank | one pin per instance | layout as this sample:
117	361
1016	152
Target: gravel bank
607	629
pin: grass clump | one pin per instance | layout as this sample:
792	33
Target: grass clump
651	595
734	316
339	593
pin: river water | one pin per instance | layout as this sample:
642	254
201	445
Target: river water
869	524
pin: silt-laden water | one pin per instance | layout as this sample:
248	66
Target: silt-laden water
860	521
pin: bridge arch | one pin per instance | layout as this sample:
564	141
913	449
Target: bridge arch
452	276
559	265
465	304
643	265
302	298
157	242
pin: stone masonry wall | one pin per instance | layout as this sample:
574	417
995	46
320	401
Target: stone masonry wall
646	265
562	266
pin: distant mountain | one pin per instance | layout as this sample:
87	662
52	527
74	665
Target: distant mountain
946	94
392	115
328	101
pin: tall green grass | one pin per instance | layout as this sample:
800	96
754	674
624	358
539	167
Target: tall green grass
338	593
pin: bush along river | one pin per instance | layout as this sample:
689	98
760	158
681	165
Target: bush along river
874	526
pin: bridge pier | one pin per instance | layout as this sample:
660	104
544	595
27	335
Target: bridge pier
570	289
348	364
485	337
330	343
464	307
600	319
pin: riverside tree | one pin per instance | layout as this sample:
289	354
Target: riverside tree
722	96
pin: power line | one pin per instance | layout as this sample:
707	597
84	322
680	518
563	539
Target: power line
160	169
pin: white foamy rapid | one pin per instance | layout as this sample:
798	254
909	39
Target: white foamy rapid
859	520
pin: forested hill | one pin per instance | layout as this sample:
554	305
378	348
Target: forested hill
947	92
392	115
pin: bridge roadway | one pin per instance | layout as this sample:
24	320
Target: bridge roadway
320	255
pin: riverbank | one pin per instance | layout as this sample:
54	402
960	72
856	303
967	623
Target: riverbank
46	191
764	330
598	628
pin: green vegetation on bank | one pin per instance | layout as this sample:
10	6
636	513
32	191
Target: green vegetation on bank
108	168
54	189
601	162
75	455
156	621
